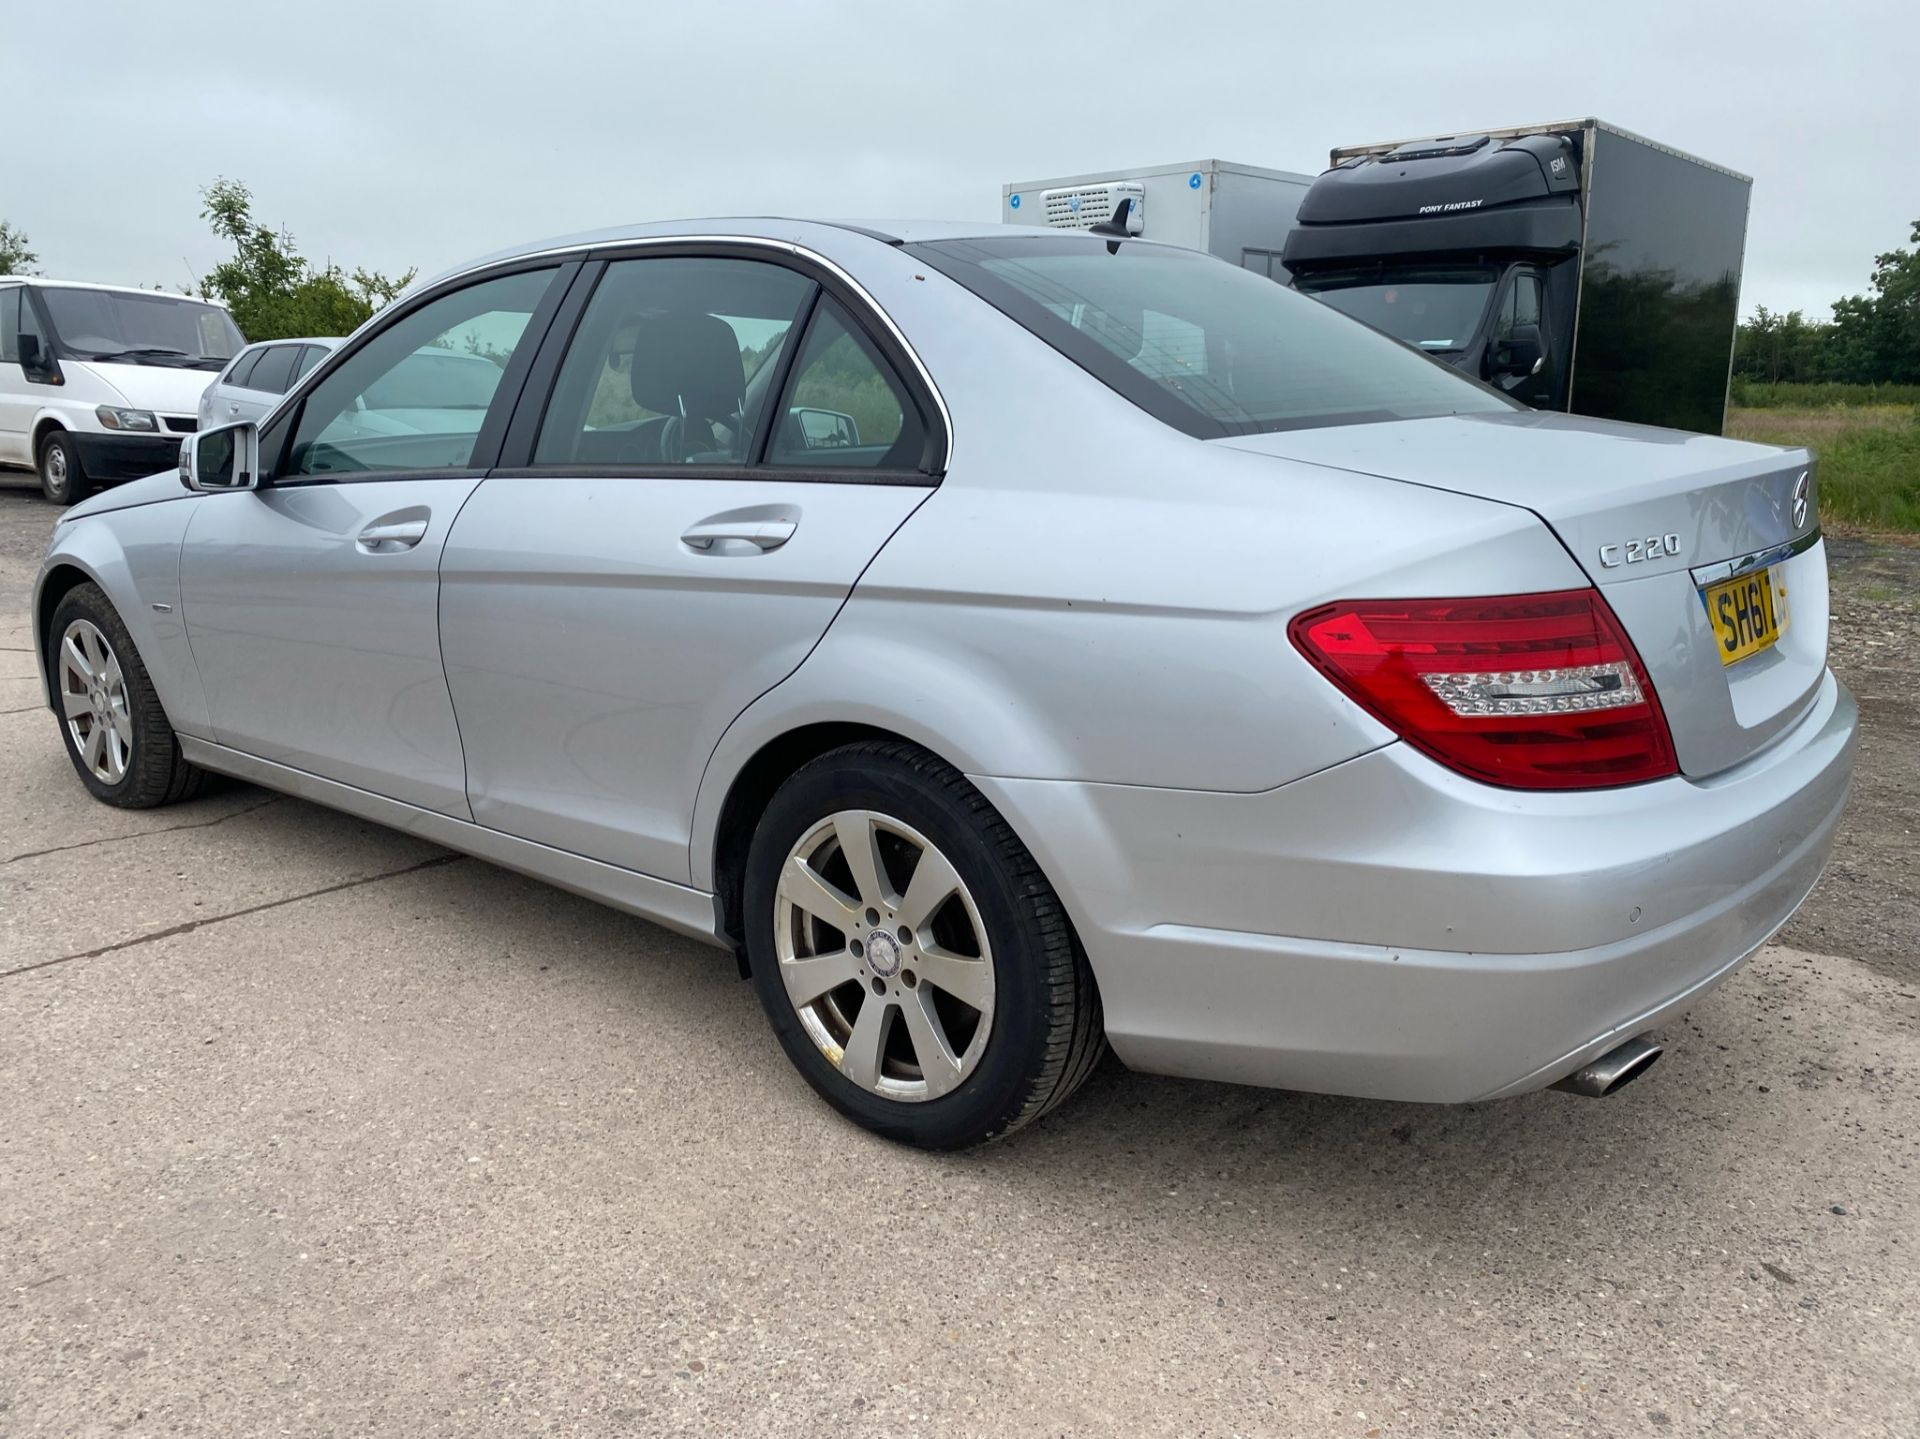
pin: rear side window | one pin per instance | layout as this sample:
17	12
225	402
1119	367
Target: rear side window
415	395
274	370
242	369
845	408
672	363
1205	346
310	356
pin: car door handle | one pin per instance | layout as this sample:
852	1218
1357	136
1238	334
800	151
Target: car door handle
384	537
232	408
709	536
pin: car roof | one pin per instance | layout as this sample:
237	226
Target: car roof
758	227
326	342
44	283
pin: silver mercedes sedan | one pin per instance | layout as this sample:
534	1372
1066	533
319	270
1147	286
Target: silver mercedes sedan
1009	644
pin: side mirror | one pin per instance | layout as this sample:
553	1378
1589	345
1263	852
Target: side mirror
1521	353
224	459
36	365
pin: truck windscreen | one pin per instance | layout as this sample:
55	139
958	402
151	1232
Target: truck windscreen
157	329
1436	310
1204	346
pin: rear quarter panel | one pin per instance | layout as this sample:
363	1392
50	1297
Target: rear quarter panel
1092	596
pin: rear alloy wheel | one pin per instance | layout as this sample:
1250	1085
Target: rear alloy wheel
913	960
117	734
63	479
895	989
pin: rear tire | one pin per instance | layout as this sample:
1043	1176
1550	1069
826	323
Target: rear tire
63	479
961	1007
116	732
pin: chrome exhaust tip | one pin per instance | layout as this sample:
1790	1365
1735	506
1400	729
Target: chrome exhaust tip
1613	1070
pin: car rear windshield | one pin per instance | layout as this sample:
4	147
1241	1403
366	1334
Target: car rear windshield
141	329
1200	344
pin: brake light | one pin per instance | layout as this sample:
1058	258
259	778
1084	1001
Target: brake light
1528	691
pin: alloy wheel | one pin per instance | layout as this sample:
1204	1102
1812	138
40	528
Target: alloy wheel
884	956
93	700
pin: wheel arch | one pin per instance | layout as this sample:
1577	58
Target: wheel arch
59	580
748	792
44	424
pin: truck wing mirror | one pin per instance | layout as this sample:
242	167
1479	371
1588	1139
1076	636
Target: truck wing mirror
35	364
1521	353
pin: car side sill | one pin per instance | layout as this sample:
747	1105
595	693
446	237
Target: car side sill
689	911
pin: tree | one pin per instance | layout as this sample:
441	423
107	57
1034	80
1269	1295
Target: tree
1783	349
1877	336
272	290
15	257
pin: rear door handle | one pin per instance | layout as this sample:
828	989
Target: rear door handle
385	537
710	536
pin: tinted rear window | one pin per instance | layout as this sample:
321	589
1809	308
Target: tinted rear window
1205	346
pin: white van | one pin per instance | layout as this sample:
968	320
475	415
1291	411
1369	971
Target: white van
99	382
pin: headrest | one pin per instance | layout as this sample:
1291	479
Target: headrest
690	363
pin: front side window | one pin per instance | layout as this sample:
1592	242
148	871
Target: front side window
141	329
1202	345
10	324
672	363
844	408
414	396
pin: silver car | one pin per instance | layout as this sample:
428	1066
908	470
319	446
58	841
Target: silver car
1008	643
255	379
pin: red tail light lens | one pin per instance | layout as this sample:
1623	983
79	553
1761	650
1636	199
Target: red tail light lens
1528	691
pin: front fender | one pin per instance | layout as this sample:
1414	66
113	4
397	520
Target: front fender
133	555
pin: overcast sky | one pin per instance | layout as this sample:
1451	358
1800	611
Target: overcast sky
402	133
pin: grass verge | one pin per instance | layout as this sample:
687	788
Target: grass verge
1869	458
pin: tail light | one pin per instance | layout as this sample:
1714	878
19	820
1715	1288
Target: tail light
1529	691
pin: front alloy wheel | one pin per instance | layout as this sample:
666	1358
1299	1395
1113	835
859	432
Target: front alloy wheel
93	701
115	728
912	959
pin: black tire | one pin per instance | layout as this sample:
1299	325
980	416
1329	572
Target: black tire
1046	1034
63	479
156	773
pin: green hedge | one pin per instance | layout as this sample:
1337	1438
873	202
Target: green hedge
1751	394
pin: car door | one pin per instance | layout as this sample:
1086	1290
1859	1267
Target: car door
311	603
14	414
20	398
722	449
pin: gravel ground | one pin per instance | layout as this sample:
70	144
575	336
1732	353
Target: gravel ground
314	1129
1868	906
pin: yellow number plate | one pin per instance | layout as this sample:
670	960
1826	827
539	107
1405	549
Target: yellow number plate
1747	614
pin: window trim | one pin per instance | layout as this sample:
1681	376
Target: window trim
506	396
515	459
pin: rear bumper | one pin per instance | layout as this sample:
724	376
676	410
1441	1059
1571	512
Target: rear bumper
1389	929
112	459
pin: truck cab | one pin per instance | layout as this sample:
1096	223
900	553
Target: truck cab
1573	266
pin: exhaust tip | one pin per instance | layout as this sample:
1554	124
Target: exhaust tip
1614	1070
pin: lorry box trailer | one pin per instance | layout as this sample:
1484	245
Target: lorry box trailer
1238	212
1574	265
